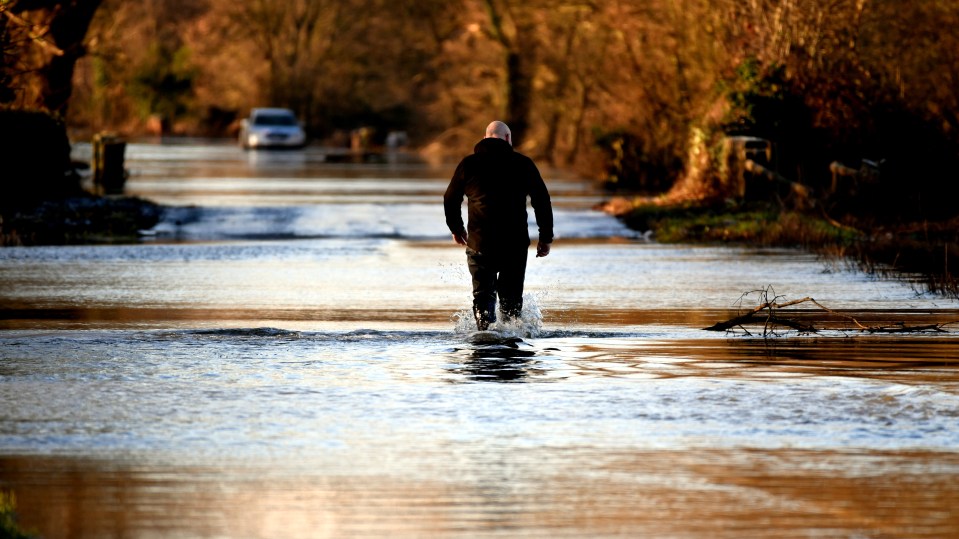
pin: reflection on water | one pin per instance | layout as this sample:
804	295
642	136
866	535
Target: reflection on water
498	366
496	358
699	493
289	357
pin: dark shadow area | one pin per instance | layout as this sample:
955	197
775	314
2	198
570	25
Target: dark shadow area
507	360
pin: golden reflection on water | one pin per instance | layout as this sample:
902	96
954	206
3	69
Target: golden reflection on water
693	493
24	315
143	317
815	356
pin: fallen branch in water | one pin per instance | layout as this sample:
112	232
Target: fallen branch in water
770	313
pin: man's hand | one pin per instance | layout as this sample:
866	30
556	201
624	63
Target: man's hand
542	249
460	239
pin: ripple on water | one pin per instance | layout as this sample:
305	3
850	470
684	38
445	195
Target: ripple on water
165	390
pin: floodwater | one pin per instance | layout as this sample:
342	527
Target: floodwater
289	354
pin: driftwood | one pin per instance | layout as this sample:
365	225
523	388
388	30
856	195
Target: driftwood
770	313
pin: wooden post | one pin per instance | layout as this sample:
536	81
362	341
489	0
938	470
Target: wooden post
740	151
109	175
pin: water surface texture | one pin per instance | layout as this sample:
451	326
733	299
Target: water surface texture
289	354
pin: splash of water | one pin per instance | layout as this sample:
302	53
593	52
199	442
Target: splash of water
528	324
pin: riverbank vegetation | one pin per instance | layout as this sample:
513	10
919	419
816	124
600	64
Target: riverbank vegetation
777	121
925	252
9	527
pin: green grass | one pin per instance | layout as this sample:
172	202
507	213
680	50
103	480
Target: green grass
760	226
8	518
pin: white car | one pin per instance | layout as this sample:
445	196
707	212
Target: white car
271	128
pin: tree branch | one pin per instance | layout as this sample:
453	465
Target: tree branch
770	313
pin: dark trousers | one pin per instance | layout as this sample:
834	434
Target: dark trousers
499	274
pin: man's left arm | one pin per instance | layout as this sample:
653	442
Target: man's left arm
542	209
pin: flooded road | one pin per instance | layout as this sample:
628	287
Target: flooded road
290	354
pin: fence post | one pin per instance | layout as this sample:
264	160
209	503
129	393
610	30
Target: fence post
109	175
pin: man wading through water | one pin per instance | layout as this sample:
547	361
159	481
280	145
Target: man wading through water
496	181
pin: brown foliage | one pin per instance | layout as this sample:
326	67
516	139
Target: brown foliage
839	78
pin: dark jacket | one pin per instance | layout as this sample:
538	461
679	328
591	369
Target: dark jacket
496	181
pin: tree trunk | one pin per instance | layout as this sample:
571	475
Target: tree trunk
519	94
68	30
520	51
6	76
68	27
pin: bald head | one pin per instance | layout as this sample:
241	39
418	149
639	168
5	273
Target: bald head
498	129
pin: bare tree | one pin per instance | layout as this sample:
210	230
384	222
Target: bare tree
294	38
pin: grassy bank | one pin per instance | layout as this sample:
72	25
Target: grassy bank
925	253
749	225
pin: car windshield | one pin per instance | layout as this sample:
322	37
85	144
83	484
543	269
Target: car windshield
274	119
